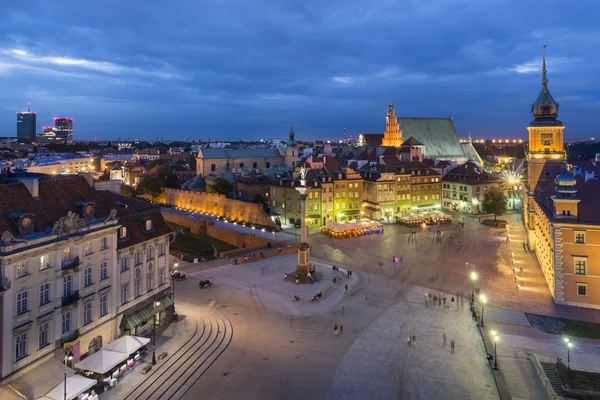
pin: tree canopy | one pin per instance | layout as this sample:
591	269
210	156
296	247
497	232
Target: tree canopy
494	202
219	186
152	187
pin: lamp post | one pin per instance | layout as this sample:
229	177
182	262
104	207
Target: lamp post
569	347
473	278
68	357
483	301
496	339
156	304
173	282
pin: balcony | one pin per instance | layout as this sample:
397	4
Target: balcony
71	299
71	264
69	337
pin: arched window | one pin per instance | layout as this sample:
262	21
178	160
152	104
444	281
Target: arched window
254	165
241	165
268	164
95	345
213	167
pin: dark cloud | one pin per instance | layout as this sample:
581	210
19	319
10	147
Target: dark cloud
229	68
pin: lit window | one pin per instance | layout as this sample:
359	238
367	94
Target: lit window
149	225
21	346
123	232
22	269
44	261
88	248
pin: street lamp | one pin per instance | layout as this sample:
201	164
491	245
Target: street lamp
483	301
156	304
68	357
473	278
496	339
173	280
569	347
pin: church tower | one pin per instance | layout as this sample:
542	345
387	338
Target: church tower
392	137
545	133
291	151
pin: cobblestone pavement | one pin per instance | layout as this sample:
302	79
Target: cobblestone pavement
442	265
381	365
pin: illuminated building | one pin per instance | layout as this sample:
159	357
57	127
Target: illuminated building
26	126
392	137
63	128
560	211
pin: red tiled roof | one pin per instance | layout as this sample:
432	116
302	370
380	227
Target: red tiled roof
58	195
411	141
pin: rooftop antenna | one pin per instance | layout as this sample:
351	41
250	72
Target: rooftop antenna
28	107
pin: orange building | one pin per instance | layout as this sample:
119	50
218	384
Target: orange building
560	212
392	137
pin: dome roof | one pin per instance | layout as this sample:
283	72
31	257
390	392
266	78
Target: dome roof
565	180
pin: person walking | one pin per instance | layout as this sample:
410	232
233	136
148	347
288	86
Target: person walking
452	342
452	301
341	329
414	340
444	336
409	341
335	329
346	288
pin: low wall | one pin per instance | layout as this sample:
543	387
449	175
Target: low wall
280	251
216	204
236	238
196	227
543	378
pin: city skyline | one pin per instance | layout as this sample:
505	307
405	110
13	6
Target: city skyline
321	67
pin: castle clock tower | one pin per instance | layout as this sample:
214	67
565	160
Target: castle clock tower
545	153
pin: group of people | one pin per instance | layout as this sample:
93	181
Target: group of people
431	299
317	296
338	329
254	256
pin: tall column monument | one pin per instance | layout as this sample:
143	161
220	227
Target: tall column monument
303	247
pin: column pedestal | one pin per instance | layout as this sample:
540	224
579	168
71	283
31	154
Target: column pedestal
303	259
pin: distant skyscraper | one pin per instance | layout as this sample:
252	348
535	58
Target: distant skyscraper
63	127
26	126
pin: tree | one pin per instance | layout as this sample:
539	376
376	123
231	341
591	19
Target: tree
494	202
154	163
105	176
219	186
152	187
165	172
127	190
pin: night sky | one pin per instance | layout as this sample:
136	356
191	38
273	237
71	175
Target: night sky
234	69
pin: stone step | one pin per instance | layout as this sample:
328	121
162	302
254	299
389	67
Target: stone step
552	375
503	316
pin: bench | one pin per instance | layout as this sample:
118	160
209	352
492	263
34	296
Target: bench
146	369
162	355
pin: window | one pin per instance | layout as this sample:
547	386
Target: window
103	270
150	252
213	167
254	165
67	253
22	302
104	243
268	164
161	249
44	335
149	282
123	232
44	293
88	248
124	293
161	277
68	286
310	195
316	195
66	323
21	346
138	258
137	288
22	269
582	289
87	313
87	277
125	263
580	267
580	237
44	261
103	305
149	225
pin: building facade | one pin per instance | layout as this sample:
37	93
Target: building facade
26	126
560	211
464	188
62	276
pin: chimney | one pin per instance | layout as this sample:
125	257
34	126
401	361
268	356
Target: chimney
32	184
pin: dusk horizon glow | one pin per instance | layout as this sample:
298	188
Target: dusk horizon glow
236	70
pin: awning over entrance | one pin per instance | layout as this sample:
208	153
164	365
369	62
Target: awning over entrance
102	361
314	216
76	385
145	311
352	212
127	344
41	379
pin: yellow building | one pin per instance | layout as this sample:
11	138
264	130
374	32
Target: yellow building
560	212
